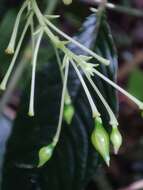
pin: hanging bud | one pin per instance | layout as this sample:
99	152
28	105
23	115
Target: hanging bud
45	154
100	140
67	2
116	139
68	113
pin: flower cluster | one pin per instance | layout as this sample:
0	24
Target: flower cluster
100	138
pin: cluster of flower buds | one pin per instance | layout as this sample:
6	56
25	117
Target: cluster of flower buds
100	138
101	141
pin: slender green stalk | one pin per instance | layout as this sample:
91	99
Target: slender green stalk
31	29
113	120
99	15
34	63
95	112
59	63
19	69
135	100
43	21
56	138
61	67
99	58
7	75
32	35
121	9
11	47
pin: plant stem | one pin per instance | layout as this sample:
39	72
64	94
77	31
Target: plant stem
113	120
95	112
17	73
8	73
11	47
99	58
56	138
121	9
59	63
99	14
34	62
135	100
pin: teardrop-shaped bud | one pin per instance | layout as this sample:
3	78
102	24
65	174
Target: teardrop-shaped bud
100	141
116	139
45	154
68	113
67	2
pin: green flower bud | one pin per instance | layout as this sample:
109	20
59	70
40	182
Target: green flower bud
116	139
100	141
45	154
68	113
67	2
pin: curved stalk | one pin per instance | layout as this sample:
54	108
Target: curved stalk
11	47
95	112
113	120
135	100
56	138
8	73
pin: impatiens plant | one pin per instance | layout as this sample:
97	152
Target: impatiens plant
86	65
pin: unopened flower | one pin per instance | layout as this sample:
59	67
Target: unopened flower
100	140
68	113
45	154
116	139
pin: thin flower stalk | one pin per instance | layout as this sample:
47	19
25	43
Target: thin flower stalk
43	21
135	100
11	46
113	120
59	62
61	65
96	72
95	112
8	73
32	35
57	136
34	63
90	52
